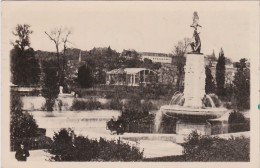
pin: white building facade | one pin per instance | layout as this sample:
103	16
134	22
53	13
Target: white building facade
157	57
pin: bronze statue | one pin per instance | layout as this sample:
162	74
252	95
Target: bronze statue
196	46
195	23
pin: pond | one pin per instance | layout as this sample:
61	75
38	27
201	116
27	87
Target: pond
86	123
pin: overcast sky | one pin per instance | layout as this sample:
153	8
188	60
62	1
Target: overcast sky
143	26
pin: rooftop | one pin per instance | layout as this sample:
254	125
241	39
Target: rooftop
154	54
127	70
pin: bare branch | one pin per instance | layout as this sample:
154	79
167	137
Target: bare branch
51	38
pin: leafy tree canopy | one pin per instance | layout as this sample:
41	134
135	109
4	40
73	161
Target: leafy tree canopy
24	67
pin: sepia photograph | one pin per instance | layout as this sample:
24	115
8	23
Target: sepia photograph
130	83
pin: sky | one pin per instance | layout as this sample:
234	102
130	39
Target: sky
143	26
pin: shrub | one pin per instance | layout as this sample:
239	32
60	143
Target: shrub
85	105
205	148
237	122
62	145
69	147
148	106
228	105
22	124
115	104
136	117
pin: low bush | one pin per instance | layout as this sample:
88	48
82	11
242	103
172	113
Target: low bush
136	117
85	105
237	122
69	147
205	148
148	106
32	143
115	104
228	105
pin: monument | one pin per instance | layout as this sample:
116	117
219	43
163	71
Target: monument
193	108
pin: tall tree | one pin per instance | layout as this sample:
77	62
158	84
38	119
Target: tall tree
55	37
24	67
179	59
210	85
242	85
23	33
220	74
58	36
85	76
50	86
102	60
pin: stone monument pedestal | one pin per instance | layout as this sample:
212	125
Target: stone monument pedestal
184	128
194	86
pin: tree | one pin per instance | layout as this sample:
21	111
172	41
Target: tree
50	86
63	145
23	33
24	67
58	36
55	37
85	76
179	59
220	74
22	125
149	64
210	85
242	85
102	60
64	69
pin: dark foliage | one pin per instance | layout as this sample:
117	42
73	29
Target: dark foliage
117	126
205	148
179	60
32	143
69	147
135	115
50	83
115	104
210	85
242	85
101	60
105	59
25	68
85	76
90	104
220	74
176	158
22	124
237	122
230	93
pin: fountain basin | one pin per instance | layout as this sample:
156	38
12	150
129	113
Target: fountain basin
191	119
188	113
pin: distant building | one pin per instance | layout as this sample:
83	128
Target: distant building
156	57
130	76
